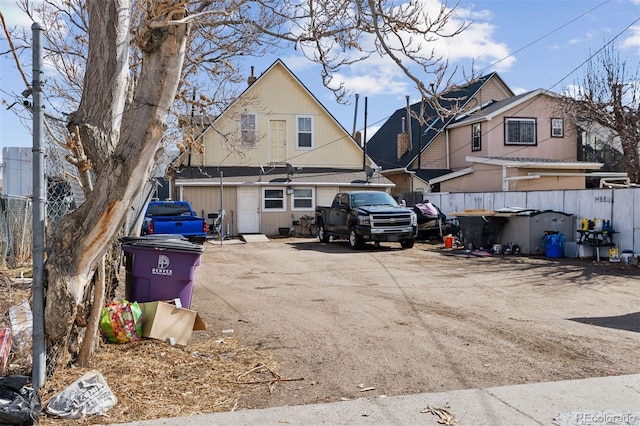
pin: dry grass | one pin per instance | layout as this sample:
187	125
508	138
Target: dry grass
152	379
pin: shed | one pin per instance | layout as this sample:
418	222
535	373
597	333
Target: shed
527	228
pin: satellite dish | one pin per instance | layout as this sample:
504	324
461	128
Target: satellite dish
368	171
261	169
290	169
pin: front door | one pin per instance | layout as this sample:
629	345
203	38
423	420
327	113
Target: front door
248	210
278	137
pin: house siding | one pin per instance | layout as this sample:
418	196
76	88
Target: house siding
488	177
492	90
206	199
543	109
278	97
435	155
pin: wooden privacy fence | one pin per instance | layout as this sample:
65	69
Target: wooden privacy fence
620	206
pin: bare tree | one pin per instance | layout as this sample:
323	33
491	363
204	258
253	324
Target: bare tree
127	66
609	95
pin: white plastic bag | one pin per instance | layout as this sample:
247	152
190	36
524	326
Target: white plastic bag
88	395
21	326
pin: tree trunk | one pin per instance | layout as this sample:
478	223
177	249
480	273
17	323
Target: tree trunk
93	322
121	144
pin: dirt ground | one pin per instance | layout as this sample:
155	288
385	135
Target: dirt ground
294	321
386	321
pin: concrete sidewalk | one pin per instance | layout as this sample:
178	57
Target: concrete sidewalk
597	401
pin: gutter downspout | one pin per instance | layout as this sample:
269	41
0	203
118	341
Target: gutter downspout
446	144
505	182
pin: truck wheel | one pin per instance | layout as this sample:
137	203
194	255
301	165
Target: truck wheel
355	240
322	233
407	244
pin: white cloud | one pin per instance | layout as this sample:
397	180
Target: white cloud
371	130
519	90
632	41
586	37
380	76
14	17
297	63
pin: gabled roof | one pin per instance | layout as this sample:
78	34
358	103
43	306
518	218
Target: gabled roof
278	63
496	108
382	147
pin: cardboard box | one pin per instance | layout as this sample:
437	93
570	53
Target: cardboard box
162	320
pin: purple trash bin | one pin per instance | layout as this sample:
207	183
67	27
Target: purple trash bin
158	269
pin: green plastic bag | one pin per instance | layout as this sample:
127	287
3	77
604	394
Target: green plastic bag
121	322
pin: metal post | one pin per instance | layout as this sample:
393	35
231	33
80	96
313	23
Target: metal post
364	136
39	197
355	117
221	207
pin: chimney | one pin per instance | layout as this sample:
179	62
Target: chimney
403	144
251	78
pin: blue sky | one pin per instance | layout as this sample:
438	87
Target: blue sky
531	44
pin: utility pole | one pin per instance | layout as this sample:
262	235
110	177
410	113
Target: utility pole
39	198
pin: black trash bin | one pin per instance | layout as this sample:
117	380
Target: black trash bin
481	231
160	267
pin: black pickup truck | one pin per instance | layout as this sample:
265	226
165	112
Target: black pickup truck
362	216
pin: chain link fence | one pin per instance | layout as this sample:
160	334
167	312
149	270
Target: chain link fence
16	222
16	212
63	195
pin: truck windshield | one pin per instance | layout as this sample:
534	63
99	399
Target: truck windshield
168	210
372	199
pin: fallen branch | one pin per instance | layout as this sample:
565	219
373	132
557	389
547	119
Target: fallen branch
282	379
276	376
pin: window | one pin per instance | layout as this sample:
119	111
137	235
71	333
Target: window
557	128
248	129
520	131
304	131
302	199
273	199
476	137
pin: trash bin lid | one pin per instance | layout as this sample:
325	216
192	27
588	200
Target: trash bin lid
131	238
167	244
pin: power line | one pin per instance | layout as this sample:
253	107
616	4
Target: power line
547	34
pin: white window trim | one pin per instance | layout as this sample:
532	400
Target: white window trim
519	143
255	118
284	198
561	128
473	138
305	148
313	200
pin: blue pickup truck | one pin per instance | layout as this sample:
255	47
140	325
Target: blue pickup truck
174	217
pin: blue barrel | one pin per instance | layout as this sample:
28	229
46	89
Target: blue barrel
553	243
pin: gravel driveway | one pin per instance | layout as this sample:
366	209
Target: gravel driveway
386	321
